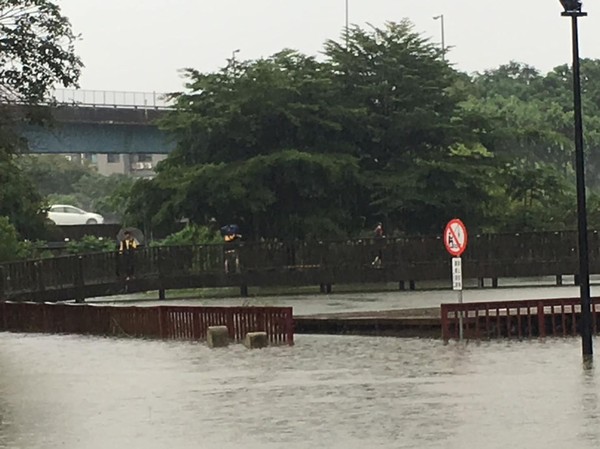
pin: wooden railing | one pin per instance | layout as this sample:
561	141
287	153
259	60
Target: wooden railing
557	317
287	264
165	322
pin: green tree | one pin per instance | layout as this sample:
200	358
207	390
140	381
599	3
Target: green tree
381	128
37	50
11	248
289	146
91	244
396	94
36	54
62	181
191	235
53	174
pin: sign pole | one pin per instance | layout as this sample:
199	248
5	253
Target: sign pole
457	285
460	316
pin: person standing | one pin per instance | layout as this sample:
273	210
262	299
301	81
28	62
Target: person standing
378	234
126	251
378	231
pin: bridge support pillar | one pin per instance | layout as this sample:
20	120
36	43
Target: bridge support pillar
162	294
559	279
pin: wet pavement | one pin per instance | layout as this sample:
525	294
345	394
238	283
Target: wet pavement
315	304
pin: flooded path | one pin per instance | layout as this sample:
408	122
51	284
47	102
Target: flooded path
73	392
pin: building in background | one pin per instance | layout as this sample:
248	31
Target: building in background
136	165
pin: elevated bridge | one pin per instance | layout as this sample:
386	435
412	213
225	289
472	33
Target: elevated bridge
100	122
405	261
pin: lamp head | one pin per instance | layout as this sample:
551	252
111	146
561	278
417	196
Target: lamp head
572	8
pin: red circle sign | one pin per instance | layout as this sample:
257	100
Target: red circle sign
455	237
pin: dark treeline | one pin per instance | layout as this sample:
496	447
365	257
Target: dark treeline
384	129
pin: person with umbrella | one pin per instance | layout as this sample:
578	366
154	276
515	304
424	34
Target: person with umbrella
231	233
128	244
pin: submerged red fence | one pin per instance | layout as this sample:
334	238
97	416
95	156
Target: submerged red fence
166	322
557	317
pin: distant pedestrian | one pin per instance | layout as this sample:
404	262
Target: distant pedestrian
231	234
126	250
378	231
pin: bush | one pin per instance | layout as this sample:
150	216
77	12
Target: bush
91	244
11	248
191	235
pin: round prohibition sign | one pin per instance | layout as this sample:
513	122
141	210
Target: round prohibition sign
455	237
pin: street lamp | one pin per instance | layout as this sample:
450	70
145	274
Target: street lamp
347	22
233	53
441	18
573	10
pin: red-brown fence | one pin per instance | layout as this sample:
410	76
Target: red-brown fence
167	322
558	317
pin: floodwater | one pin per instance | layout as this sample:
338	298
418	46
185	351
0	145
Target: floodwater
73	392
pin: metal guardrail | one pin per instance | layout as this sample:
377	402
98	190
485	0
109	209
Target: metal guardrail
115	99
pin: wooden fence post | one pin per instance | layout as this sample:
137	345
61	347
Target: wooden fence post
161	329
289	322
445	323
159	265
39	274
4	318
2	283
541	319
79	283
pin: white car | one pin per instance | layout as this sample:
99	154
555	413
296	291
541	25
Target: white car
64	214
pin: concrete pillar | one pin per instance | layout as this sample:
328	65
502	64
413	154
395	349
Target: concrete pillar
256	340
217	337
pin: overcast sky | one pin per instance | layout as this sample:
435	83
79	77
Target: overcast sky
139	45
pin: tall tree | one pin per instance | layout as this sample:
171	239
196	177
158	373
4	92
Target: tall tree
36	54
36	50
402	88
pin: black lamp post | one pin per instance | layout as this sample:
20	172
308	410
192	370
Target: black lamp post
573	10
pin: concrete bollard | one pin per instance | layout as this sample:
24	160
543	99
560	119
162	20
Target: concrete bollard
217	337
256	340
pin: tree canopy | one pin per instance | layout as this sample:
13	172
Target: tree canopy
36	50
36	55
379	128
